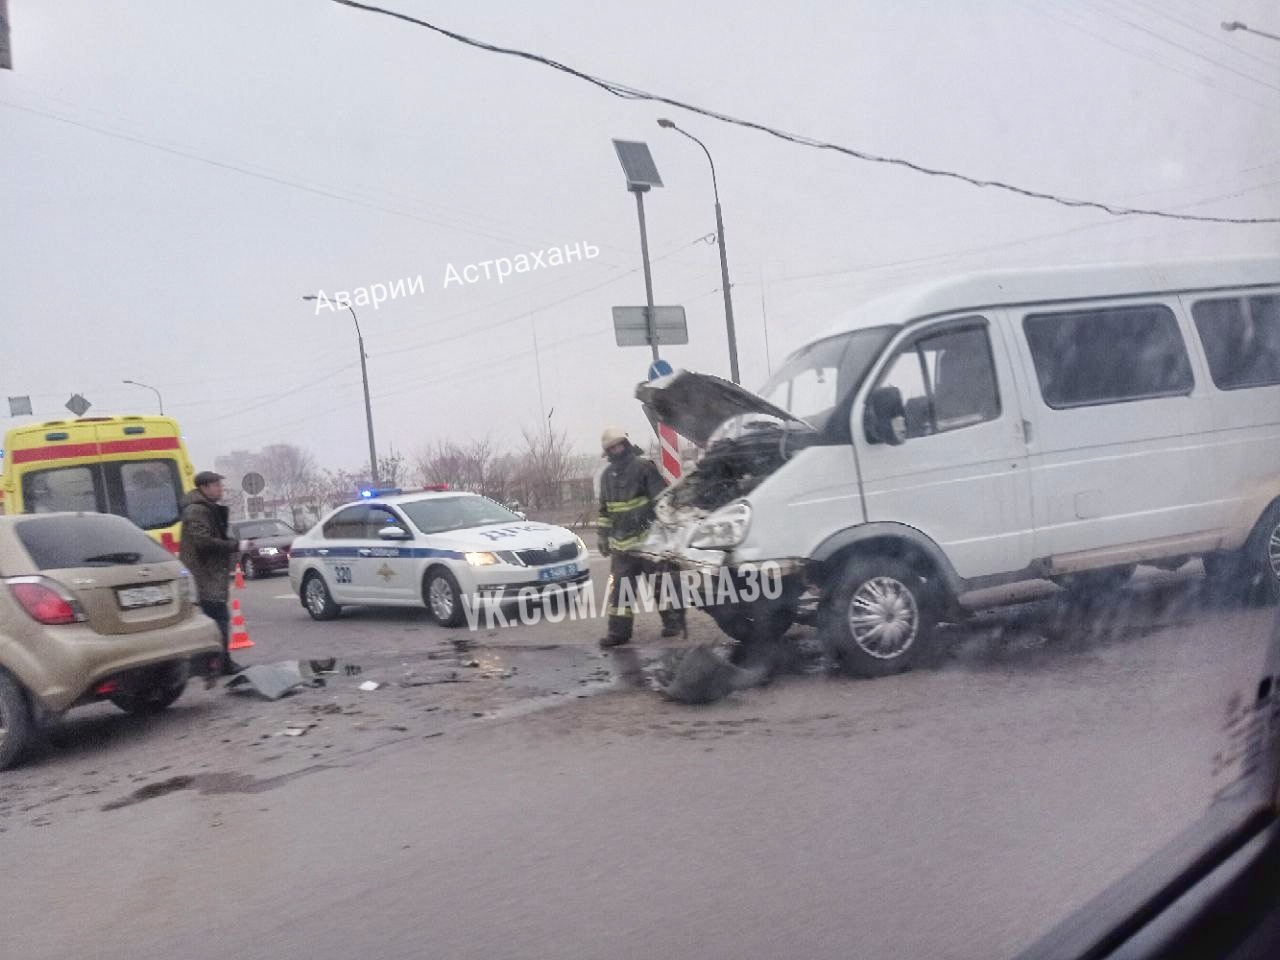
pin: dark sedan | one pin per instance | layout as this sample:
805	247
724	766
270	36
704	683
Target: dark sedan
268	545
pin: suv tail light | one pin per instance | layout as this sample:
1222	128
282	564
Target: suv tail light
45	600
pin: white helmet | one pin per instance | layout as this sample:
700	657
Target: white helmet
611	436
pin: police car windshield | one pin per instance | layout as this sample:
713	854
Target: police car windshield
817	377
439	514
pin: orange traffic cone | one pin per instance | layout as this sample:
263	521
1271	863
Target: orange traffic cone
239	635
239	578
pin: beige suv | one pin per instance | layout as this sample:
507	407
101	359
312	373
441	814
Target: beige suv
92	609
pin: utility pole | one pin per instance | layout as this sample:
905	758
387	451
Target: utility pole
6	51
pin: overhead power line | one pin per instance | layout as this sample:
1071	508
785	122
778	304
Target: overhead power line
634	93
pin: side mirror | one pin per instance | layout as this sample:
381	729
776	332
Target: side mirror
885	417
394	533
521	515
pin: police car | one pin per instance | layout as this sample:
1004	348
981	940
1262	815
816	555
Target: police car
434	548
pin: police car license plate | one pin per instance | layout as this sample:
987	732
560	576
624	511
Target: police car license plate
149	596
558	573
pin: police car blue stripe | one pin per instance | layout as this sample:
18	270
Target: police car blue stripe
392	553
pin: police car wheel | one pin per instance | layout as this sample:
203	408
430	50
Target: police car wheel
443	598
317	598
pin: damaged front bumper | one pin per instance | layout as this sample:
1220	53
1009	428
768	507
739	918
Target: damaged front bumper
669	543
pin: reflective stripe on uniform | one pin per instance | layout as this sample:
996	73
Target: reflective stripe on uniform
623	506
627	543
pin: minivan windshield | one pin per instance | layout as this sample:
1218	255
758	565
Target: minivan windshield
813	381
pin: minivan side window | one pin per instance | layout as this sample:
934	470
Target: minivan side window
1108	355
947	381
347	524
1241	337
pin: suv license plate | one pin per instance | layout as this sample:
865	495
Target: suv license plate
149	596
558	573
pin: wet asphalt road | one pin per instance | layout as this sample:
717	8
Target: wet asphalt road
956	811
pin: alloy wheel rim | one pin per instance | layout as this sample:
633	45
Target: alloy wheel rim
1273	551
441	598
315	596
248	569
884	618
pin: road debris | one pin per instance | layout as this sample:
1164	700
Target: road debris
701	675
274	680
370	685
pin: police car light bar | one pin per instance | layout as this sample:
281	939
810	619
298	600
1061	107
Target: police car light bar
368	492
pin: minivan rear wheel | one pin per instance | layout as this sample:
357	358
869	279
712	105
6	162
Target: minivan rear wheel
15	721
1252	573
1263	557
878	618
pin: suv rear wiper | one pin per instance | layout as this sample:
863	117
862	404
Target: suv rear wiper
124	556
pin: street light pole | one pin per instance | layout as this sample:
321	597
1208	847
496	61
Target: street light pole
724	257
368	407
648	273
159	399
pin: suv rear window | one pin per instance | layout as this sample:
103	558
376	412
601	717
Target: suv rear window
90	540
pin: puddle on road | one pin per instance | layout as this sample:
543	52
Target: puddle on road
208	784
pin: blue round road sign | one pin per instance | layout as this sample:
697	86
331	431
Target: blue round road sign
659	368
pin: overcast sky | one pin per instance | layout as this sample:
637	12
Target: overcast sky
175	176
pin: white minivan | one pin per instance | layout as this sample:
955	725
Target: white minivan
1065	424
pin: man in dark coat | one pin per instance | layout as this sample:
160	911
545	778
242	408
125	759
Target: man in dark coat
628	488
206	551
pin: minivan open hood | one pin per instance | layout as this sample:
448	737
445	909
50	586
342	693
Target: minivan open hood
696	404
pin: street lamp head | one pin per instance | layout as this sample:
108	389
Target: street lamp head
310	297
665	123
1229	25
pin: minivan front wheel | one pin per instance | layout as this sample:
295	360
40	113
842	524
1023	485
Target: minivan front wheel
15	721
878	617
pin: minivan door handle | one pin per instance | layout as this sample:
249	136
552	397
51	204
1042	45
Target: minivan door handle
1026	431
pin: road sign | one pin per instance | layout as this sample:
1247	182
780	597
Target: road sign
19	406
668	439
659	368
631	327
252	484
254	506
78	405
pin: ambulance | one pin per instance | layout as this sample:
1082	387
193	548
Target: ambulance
133	466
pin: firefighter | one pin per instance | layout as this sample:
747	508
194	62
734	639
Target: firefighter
628	487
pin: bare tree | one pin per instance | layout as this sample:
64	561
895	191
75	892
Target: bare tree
546	463
290	473
442	462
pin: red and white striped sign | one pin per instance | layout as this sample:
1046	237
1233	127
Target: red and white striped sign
669	446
